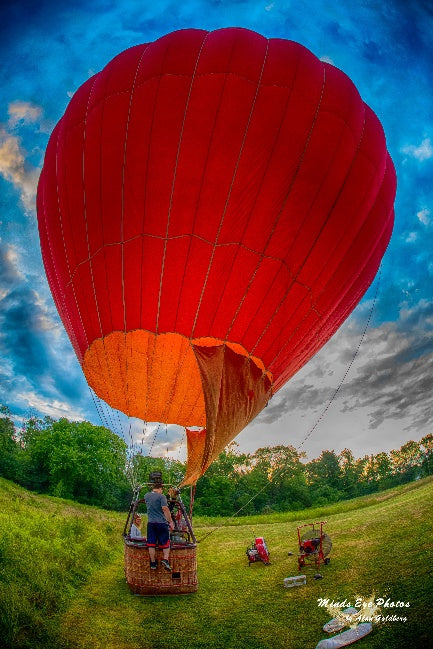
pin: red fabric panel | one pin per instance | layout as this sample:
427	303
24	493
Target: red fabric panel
215	184
235	391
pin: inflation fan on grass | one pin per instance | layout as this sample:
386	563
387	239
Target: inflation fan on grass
258	551
314	545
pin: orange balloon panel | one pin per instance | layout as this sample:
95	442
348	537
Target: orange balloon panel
214	185
158	377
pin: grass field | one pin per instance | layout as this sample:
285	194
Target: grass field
382	547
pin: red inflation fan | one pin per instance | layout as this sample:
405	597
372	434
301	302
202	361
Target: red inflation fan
314	545
258	551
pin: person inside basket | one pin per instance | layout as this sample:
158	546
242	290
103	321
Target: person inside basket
159	523
135	532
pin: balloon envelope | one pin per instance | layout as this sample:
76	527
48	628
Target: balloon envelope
212	207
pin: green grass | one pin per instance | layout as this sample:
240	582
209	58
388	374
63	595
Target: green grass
382	544
48	549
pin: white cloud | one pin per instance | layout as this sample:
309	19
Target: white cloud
14	168
13	164
422	152
411	237
12	264
424	216
23	111
49	407
327	59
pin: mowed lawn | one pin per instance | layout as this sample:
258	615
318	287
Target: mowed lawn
382	546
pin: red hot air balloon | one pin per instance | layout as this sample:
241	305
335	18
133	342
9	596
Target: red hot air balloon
212	207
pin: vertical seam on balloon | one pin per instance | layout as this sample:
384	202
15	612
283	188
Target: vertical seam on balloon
174	177
150	357
144	235
192	408
277	220
360	270
324	223
103	247
194	404
192	235
83	169
330	212
174	382
100	211
122	220
65	248
262	255
295	279
71	329
230	188
67	256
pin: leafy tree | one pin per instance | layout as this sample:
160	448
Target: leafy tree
406	462
217	492
77	460
325	477
9	447
214	496
426	445
377	468
251	494
141	466
383	469
350	474
288	487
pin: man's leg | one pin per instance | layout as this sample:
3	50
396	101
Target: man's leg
164	543
151	541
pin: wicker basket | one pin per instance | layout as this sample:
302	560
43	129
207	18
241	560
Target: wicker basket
144	581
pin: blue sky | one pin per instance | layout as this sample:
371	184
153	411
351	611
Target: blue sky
48	49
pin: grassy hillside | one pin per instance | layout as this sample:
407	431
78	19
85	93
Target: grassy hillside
67	567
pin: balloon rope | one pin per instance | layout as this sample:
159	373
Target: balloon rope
324	411
313	428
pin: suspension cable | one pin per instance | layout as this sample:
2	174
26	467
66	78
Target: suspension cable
318	420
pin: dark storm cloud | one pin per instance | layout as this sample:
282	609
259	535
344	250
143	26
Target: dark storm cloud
400	392
390	378
303	397
29	338
396	383
21	329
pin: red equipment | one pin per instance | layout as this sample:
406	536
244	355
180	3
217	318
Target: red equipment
314	545
258	551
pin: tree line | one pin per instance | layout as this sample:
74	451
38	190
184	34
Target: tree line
93	465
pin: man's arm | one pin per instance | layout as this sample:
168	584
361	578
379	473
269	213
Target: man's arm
167	514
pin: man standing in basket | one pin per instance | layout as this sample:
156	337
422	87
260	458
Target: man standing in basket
159	523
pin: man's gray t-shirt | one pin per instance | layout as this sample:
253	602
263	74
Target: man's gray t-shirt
154	503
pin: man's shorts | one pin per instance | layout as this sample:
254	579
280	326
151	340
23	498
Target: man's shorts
158	534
